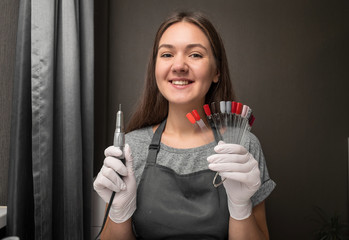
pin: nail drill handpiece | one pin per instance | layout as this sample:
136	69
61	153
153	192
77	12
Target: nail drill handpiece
119	135
119	141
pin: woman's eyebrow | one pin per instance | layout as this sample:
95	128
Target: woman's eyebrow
189	46
166	46
193	45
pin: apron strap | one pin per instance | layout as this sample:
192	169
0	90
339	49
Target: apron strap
154	147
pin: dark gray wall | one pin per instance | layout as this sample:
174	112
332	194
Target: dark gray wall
8	28
289	62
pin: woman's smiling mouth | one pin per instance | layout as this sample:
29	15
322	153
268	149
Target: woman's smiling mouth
181	82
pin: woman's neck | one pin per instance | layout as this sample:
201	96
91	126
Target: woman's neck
180	132
177	122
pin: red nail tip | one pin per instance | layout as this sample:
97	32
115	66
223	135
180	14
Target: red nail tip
239	108
190	118
207	110
233	107
251	121
196	115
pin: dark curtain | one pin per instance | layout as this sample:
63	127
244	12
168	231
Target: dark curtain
20	209
50	169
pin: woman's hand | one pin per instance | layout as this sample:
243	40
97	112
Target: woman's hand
241	171
114	176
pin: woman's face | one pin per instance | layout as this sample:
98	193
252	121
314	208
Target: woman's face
185	65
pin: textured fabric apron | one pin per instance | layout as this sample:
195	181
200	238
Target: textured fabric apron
173	206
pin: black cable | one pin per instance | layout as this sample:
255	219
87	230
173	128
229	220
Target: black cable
106	214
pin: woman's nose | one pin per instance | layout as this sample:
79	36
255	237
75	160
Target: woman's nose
179	65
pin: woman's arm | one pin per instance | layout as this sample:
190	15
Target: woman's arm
254	227
115	231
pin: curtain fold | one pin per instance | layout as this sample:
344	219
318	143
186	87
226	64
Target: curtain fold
20	209
61	119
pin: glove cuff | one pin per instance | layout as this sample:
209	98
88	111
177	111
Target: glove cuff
118	215
240	211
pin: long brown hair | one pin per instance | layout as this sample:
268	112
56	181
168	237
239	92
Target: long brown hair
153	107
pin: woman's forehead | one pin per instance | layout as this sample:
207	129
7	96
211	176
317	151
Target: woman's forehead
184	33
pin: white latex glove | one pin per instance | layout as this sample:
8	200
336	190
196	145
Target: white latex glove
242	174
107	181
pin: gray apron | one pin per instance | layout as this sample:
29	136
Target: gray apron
173	206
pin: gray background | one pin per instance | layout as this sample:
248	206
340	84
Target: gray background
288	61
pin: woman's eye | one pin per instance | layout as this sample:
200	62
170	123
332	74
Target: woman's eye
166	55
196	55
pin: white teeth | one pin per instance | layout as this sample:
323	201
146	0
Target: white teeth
180	82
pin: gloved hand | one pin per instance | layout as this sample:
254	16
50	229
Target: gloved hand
108	180
242	174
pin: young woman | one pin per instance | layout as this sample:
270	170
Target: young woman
165	190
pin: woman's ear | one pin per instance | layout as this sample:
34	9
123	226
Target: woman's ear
216	77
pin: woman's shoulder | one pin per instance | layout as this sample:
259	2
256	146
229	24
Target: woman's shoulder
251	142
140	135
253	139
139	141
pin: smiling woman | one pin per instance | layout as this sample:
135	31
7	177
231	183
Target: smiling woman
188	68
